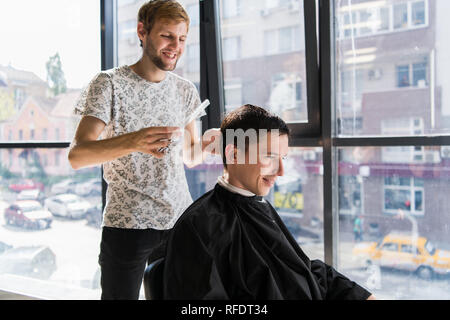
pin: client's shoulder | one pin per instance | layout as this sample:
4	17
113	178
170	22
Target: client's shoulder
209	208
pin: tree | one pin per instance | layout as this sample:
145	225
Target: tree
55	75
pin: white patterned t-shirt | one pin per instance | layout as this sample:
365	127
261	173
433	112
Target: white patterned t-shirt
143	191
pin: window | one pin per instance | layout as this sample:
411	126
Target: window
231	8
122	3
379	18
382	145
389	246
352	88
286	97
365	21
270	72
403	195
282	40
270	40
414	74
398	198
403	76
231	48
273	4
296	197
418	13
350	201
407	248
233	94
384	16
36	104
127	31
373	70
193	58
400	16
194	14
419	72
286	40
399	127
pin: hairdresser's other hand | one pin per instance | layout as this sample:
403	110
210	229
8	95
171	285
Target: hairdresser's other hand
211	141
151	139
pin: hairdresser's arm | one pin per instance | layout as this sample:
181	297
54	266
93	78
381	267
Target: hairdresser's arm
86	150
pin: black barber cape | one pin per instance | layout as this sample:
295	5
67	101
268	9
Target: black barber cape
228	246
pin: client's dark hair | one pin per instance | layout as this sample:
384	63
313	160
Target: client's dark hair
250	117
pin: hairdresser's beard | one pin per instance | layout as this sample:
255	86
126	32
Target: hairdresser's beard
157	60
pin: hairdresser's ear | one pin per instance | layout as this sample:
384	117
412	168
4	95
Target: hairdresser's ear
230	154
141	31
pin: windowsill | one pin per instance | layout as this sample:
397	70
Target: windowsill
13	287
6	295
412	87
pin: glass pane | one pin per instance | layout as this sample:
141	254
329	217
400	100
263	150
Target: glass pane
394	73
231	8
383	23
400	16
50	217
395	205
44	62
297	197
263	49
418	13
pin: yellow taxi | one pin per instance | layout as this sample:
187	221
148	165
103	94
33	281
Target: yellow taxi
288	198
405	252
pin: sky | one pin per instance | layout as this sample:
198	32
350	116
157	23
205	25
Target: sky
31	31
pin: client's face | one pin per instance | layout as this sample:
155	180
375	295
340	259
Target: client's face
260	176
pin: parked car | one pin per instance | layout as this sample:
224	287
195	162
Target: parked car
4	247
25	184
89	188
404	252
28	214
65	186
32	194
94	215
32	261
67	205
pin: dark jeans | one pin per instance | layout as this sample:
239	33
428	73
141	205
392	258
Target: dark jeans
124	254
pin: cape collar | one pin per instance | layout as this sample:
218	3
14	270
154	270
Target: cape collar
223	182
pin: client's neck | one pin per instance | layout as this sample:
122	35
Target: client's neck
233	185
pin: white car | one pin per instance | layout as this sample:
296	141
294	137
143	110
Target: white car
67	205
32	194
89	188
64	186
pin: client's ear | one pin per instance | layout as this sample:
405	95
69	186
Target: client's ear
230	154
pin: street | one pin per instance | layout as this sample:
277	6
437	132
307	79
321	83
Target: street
76	246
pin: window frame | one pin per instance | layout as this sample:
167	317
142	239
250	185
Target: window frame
320	131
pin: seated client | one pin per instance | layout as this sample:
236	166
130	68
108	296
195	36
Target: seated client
231	243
